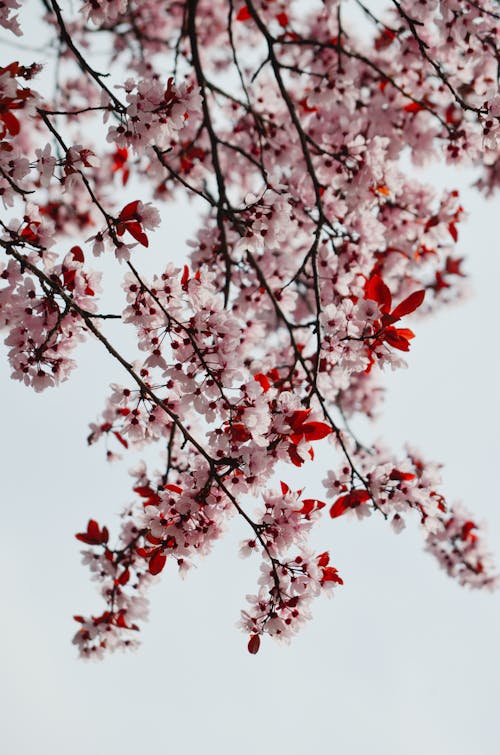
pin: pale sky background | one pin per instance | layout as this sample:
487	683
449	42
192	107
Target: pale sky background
401	662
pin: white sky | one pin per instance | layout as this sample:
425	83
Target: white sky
401	662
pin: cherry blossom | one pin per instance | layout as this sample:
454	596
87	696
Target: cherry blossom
315	252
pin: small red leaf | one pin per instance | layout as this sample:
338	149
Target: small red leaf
398	338
93	529
410	304
120	438
453	266
466	533
157	562
144	491
243	14
239	433
11	123
310	505
172	488
358	496
129	212
135	230
254	644
123	578
294	456
77	253
413	107
69	278
323	559
405	333
377	290
282	19
298	417
330	574
349	501
397	475
384	39
339	507
263	381
120	621
284	487
94	535
453	231
315	430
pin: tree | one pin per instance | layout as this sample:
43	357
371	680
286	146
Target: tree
314	250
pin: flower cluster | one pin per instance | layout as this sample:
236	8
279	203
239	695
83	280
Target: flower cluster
156	113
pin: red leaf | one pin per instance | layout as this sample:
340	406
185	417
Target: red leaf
339	507
413	107
77	253
466	533
263	381
410	304
11	123
239	433
376	290
157	562
254	644
185	276
243	15
453	266
120	438
129	212
294	456
120	621
453	231
172	488
315	430
323	559
12	69
311	504
282	19
330	574
398	338
135	230
358	496
151	496
144	491
298	417
397	475
394	339
93	529
69	278
349	501
384	39
123	578
284	488
405	333
94	535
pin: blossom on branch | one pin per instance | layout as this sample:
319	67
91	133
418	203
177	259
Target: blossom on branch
315	253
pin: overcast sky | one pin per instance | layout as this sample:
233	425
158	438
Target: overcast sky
401	662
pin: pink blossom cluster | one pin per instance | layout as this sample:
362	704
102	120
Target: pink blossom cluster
315	252
155	114
8	18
